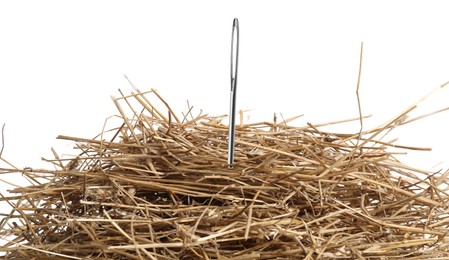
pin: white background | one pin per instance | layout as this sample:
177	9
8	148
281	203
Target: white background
61	60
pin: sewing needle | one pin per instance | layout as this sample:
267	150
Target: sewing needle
234	69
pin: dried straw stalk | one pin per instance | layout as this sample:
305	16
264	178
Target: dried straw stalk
159	188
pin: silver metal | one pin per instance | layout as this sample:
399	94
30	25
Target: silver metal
234	69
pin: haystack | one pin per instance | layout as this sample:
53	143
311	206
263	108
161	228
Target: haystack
158	187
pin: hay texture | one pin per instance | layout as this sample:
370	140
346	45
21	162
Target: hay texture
158	187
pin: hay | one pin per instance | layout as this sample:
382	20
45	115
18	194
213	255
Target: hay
159	188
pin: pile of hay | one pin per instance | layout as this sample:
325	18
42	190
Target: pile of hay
159	187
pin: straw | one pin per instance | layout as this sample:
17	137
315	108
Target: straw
157	186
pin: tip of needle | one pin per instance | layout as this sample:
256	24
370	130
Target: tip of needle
236	22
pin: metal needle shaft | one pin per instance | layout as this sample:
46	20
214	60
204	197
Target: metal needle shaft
234	69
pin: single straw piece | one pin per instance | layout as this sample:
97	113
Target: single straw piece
234	69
